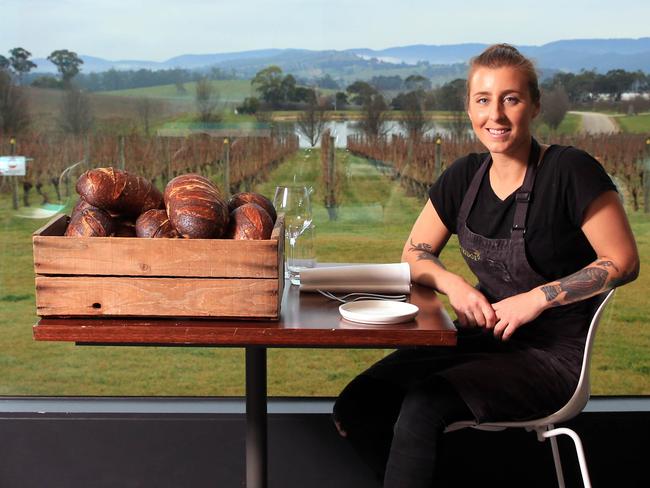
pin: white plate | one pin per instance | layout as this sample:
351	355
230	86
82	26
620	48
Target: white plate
378	311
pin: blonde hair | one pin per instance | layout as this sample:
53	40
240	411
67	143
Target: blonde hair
502	55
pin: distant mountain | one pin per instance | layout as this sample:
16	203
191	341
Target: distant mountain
193	61
93	64
187	61
443	54
438	62
600	46
568	55
599	54
300	61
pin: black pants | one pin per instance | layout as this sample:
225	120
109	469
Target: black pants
397	431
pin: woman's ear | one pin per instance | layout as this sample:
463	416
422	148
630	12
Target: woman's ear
537	109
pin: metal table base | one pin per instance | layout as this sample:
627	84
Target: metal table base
256	422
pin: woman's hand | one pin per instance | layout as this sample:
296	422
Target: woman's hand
515	311
470	305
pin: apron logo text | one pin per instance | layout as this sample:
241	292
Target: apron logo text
474	255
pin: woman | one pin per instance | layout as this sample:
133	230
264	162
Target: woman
543	230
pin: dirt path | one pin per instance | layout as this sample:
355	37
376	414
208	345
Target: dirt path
596	123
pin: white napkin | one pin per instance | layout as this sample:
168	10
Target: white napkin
365	278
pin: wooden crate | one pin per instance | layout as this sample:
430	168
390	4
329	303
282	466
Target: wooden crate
137	277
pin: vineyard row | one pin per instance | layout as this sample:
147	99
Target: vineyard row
157	158
624	156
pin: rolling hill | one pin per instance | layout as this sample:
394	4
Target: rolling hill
568	55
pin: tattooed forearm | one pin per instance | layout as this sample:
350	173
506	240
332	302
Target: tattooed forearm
581	284
551	292
599	276
425	252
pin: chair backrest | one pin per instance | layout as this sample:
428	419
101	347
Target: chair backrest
581	395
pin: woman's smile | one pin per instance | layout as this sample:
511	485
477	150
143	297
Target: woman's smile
498	132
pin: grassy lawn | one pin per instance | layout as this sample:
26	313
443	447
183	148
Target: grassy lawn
571	124
636	124
374	219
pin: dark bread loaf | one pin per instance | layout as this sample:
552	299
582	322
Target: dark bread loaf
90	222
79	207
118	191
250	221
251	197
154	223
195	207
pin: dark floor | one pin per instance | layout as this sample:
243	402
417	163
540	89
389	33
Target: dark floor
77	450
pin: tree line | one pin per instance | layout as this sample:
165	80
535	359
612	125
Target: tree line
19	63
587	84
113	79
602	92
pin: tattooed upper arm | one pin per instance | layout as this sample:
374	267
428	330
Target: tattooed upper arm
622	280
607	264
425	252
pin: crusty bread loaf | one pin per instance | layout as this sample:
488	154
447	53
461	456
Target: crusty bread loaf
250	197
154	223
250	221
195	207
90	222
118	191
79	207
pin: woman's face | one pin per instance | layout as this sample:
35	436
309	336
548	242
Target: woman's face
501	109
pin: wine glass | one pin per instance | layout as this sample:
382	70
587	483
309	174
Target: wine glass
295	203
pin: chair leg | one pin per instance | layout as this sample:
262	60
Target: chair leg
550	434
557	462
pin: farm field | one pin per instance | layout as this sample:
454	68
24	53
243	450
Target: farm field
109	111
230	91
636	124
375	217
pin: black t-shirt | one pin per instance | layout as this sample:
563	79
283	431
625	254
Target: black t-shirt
567	181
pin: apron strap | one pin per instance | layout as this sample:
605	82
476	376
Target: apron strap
523	195
470	195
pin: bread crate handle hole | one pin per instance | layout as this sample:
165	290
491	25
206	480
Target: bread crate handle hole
97	305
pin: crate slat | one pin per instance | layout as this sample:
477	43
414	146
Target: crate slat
131	256
156	297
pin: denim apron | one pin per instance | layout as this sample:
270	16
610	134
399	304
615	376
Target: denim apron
500	265
535	372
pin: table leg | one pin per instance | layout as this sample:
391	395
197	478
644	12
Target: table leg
256	440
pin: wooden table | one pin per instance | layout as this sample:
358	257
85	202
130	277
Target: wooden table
307	320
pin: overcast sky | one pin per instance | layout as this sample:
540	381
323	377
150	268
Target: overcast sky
160	29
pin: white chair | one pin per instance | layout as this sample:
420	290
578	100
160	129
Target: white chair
544	427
